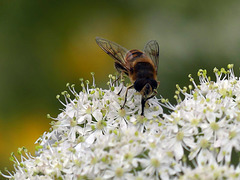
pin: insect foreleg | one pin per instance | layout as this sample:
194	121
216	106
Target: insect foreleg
121	84
144	100
125	99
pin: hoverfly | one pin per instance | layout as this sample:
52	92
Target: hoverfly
140	66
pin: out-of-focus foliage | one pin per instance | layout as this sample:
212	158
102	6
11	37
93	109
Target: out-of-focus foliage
45	44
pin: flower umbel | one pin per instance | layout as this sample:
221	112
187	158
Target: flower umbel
93	138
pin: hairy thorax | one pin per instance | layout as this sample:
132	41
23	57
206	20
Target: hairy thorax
142	70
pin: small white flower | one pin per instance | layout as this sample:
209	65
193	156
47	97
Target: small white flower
95	138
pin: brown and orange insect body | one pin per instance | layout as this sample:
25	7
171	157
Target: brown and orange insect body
142	70
140	66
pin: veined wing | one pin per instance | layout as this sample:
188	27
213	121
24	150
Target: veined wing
116	51
152	50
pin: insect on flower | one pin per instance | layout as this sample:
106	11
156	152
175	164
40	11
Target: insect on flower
140	66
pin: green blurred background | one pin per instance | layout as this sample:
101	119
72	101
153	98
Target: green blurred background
45	44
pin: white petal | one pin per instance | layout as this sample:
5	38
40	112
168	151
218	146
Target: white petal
97	115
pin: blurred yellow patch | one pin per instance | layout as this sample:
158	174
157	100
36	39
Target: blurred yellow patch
23	132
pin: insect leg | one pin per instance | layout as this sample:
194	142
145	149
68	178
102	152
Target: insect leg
125	100
144	100
120	77
150	97
120	91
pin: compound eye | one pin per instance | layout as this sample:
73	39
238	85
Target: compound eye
154	84
139	84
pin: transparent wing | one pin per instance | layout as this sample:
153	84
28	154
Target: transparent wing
152	50
116	51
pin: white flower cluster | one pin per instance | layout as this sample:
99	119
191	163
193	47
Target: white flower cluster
93	138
